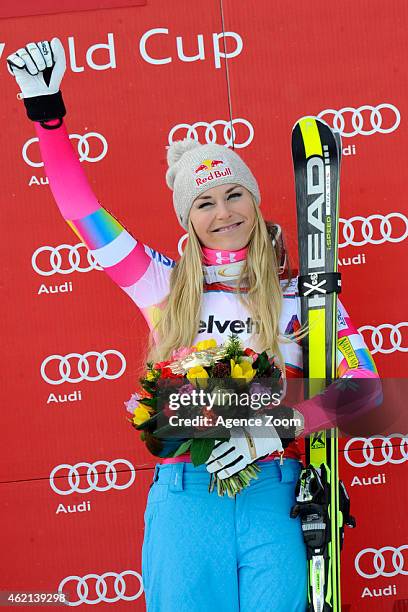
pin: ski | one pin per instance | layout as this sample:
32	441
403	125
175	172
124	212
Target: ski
316	152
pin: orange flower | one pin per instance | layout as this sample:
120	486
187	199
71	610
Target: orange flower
143	393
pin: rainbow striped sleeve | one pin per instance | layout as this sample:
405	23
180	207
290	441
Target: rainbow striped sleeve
140	271
340	404
123	258
353	356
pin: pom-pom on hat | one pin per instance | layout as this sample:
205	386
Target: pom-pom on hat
194	168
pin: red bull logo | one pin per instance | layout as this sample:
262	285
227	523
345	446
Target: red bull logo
208	166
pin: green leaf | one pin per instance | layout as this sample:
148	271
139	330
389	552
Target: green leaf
149	401
200	450
183	448
262	365
149	386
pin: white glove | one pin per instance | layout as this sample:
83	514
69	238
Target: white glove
38	67
245	446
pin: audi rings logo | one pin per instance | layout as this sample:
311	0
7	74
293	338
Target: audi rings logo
385	338
109	587
387	561
238	132
365	120
95	480
84	145
52	262
377	450
62	366
375	229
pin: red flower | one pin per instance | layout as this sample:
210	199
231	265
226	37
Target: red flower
250	353
211	419
167	373
161	364
167	410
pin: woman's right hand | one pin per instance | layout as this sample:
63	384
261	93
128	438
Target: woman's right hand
38	69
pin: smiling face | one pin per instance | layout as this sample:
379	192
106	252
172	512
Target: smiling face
223	217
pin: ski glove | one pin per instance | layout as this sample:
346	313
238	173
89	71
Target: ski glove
38	69
245	446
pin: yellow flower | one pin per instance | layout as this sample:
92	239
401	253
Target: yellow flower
203	345
197	372
141	414
150	375
242	370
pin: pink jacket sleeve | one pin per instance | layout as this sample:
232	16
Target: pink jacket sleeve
355	393
136	268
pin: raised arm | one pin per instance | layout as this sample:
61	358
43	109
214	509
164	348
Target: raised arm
136	268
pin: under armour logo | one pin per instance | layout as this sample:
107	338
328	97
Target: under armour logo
221	257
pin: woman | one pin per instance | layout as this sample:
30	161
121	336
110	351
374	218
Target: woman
201	552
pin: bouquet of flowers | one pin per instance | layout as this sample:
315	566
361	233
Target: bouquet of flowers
204	378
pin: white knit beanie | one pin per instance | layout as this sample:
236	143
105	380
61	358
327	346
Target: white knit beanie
194	168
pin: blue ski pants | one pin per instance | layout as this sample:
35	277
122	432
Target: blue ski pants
206	553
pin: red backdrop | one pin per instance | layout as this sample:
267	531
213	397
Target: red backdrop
73	475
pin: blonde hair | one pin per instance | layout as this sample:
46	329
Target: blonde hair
258	289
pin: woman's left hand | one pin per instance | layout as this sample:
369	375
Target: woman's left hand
245	446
